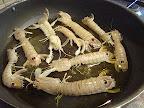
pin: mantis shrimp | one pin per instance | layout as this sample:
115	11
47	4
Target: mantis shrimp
89	21
33	58
121	63
65	18
72	38
55	86
54	40
12	80
94	58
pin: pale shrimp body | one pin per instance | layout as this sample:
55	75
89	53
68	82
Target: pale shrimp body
89	21
12	80
91	59
72	38
54	40
65	18
121	63
89	86
33	58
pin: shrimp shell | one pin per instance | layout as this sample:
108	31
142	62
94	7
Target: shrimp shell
79	30
9	79
83	87
61	65
33	58
92	58
121	63
54	40
69	34
89	21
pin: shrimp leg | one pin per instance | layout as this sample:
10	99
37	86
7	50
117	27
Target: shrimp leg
47	72
50	56
65	43
53	23
83	47
34	26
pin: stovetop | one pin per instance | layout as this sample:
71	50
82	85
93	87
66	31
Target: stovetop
136	6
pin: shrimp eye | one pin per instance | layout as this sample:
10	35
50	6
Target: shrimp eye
33	58
93	39
105	82
107	54
34	85
13	84
122	61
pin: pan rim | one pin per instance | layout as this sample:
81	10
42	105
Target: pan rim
141	89
117	105
11	5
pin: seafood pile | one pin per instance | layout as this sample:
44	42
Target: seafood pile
91	51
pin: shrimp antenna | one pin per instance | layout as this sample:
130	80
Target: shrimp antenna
30	82
19	67
11	35
111	24
92	16
18	46
46	12
27	32
66	53
43	40
12	32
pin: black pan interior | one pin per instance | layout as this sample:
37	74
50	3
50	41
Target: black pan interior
108	16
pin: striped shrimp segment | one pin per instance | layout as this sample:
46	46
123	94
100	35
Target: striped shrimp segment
89	21
65	18
72	38
89	86
33	58
10	79
121	63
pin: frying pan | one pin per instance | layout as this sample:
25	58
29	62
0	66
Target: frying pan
109	16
